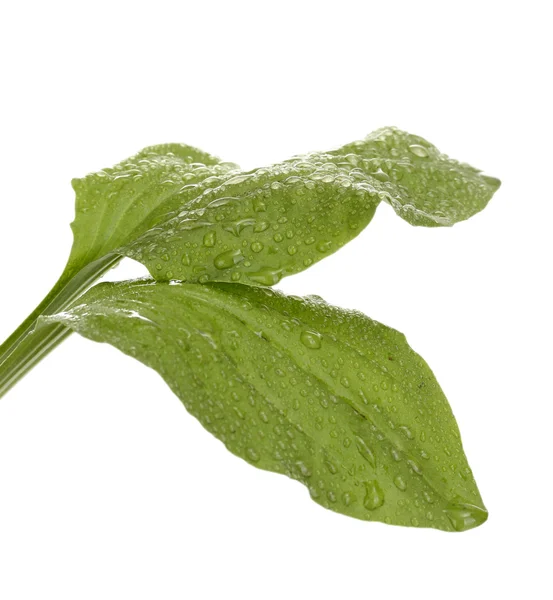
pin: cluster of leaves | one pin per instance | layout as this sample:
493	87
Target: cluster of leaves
293	385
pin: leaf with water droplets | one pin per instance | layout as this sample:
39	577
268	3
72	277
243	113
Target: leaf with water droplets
424	186
117	205
324	395
262	225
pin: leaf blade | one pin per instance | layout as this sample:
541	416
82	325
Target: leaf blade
277	379
426	187
117	203
259	226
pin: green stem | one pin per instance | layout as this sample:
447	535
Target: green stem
27	345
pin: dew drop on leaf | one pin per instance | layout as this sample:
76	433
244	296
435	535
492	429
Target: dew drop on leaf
303	468
374	496
310	339
418	150
228	259
400	483
381	175
260	226
331	467
406	431
324	246
252	454
266	276
465	516
209	239
365	451
346	498
257	247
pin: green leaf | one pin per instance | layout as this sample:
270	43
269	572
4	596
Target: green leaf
424	186
260	226
116	205
324	395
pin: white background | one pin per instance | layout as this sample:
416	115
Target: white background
108	488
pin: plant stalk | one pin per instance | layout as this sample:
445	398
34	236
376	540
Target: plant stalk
27	345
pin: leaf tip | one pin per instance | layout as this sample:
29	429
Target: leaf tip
464	516
493	182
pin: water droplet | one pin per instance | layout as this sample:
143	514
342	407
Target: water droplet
380	175
416	468
237	179
465	516
365	451
406	431
228	259
428	497
237	228
414	522
266	276
256	246
221	202
278	237
331	467
260	226
185	260
395	454
374	496
209	239
239	413
400	483
418	150
324	246
252	454
309	241
259	205
311	339
347	498
292	250
304	469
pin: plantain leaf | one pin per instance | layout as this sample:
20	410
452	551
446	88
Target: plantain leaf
118	204
324	395
424	186
259	226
